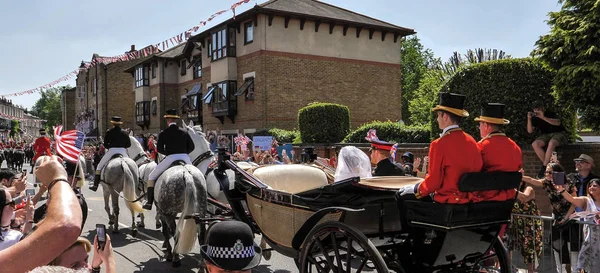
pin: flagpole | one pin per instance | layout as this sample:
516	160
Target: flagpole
75	174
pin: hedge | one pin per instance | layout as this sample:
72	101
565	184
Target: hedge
324	122
517	83
282	136
390	131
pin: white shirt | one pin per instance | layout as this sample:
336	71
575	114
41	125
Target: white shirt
11	237
448	128
173	123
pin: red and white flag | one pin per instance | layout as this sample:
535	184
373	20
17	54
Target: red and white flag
69	143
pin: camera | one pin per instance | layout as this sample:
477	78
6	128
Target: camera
30	192
533	114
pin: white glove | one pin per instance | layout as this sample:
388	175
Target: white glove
408	189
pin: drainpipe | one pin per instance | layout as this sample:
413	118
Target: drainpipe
105	94
95	87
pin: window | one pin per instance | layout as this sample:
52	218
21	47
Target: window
209	51
247	88
248	32
183	67
141	76
222	98
154	107
197	68
95	86
222	44
142	112
154	68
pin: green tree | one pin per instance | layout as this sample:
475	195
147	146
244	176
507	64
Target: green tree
14	129
415	60
572	50
48	106
425	97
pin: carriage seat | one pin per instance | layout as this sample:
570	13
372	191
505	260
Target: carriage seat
456	216
291	178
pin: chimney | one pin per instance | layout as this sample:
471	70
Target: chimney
132	48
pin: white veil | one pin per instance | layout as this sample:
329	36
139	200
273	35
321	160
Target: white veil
352	162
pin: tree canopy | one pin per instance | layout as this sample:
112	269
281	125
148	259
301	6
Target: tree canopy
48	106
572	50
416	61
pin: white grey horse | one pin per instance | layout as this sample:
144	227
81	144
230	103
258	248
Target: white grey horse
120	175
181	189
145	166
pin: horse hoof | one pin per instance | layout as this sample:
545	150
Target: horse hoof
141	225
266	255
177	264
134	233
169	258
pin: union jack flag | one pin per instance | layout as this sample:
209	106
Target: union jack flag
69	143
372	135
393	152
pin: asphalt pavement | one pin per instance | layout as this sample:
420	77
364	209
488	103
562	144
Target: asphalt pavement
144	253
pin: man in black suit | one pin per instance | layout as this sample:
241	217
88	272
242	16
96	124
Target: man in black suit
116	141
380	156
176	144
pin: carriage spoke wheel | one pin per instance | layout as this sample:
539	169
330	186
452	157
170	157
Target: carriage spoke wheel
338	248
495	261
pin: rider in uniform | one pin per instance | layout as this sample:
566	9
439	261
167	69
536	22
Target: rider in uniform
41	146
499	153
117	141
450	156
176	144
380	156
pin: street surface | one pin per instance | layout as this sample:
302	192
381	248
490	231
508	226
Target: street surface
144	253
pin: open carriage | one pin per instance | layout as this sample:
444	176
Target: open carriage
354	225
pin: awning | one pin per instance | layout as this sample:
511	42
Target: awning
209	95
244	87
195	90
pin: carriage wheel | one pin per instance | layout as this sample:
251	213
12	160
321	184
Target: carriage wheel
495	261
337	247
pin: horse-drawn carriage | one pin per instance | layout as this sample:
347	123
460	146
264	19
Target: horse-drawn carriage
354	225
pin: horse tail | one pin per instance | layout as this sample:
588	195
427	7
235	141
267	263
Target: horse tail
187	229
129	189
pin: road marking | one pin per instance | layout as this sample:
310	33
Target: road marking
152	237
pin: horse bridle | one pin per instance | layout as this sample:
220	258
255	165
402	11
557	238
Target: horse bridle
204	156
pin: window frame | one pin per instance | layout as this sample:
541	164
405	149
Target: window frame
183	67
222	43
141	76
248	25
154	68
144	116
227	99
197	68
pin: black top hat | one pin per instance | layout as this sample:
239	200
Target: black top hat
171	113
42	131
409	156
116	120
493	113
230	246
453	103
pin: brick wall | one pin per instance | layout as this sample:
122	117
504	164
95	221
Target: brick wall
69	114
120	97
286	82
531	163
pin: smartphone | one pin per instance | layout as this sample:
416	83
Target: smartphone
18	200
101	233
30	192
558	178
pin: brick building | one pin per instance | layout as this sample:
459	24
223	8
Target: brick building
29	125
256	70
160	83
67	107
104	90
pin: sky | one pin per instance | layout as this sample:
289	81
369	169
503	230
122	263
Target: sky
44	40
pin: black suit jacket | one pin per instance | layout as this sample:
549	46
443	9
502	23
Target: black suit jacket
116	138
174	140
388	168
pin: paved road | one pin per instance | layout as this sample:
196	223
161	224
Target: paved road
144	253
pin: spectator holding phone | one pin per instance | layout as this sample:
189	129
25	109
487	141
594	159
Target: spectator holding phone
14	182
552	134
590	251
561	209
63	218
77	257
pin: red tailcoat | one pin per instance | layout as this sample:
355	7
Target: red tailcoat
499	154
41	146
450	156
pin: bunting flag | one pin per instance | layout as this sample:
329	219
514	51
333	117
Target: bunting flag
393	152
68	144
144	52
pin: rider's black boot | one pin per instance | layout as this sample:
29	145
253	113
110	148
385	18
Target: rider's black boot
149	198
94	187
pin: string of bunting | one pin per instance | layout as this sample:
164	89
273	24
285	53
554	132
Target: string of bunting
149	50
